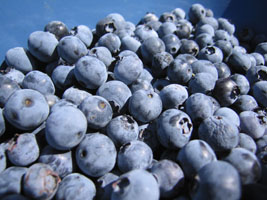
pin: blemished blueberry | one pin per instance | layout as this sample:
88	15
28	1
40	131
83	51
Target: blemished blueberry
170	177
76	186
225	24
189	46
226	91
159	84
97	111
65	127
145	105
205	66
144	31
195	155
10	180
173	96
43	46
128	69
196	13
134	155
220	133
211	53
7	88
63	77
167	17
96	155
103	54
257	73
116	93
84	33
122	129
150	47
71	48
223	70
141	84
110	41
130	43
229	114
172	43
23	149
199	107
259	91
174	129
179	71
252	124
160	63
221	35
239	62
242	83
39	81
209	20
75	95
183	29
90	72
59	161
203	40
136	184
247	142
246	163
104	185
226	48
34	179
218	180
58	28
259	58
166	28
2	123
26	109
179	13
14	74
202	82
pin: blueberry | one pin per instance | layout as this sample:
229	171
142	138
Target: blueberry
183	29
34	179
2	123
211	53
122	129
148	17
166	28
134	155
189	46
223	70
155	24
43	46
128	69
38	81
221	35
7	88
96	155
144	31
172	43
196	13
26	109
130	43
259	91
159	84
252	124
242	83
167	17
136	184
71	48
145	105
110	41
174	129
259	58
173	96
218	180
96	77
205	28
84	33
63	77
226	48
59	161
103	54
201	83
58	28
141	84
3	163
257	73
65	127
195	155
220	133
247	142
170	177
239	62
97	111
229	114
61	103
203	40
14	75
190	59
225	24
10	180
51	99
205	66
75	95
23	149
179	13
246	163
160	63
76	186
209	20
107	25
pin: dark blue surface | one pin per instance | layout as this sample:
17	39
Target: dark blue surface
21	17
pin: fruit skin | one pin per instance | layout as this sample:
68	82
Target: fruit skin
98	72
134	155
43	46
23	149
76	186
96	163
26	109
229	114
63	77
103	54
246	163
75	95
110	41
65	128
218	180
211	53
247	142
2	123
174	129
202	82
259	91
145	105
256	73
15	75
196	13
58	28
84	33
34	179
3	163
136	184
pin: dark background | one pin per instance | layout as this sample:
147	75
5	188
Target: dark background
18	18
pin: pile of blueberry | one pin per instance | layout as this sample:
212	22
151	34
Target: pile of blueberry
171	108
